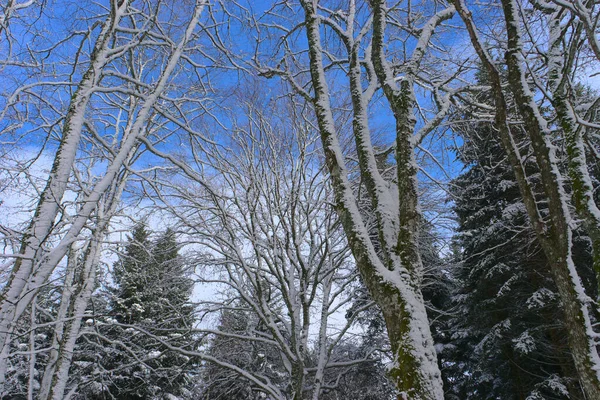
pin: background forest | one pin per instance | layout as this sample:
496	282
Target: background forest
310	199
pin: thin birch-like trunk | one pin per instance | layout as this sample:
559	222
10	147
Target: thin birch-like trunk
48	207
40	267
79	292
32	358
322	352
61	317
82	292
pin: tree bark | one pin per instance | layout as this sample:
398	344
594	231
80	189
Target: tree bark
389	275
65	302
49	204
555	235
28	276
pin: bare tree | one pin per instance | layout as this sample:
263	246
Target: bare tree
257	206
127	84
138	102
351	37
8	12
586	14
80	282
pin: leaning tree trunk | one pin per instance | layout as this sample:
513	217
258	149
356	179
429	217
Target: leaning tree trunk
26	282
83	287
48	207
79	286
61	317
555	235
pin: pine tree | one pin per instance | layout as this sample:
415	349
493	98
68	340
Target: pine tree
172	288
133	273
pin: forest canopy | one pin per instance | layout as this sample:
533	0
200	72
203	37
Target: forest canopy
307	199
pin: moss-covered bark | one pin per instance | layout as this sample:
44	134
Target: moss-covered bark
554	233
392	272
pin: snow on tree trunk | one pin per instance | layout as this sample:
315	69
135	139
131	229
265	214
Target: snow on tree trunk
84	286
49	204
29	276
391	279
323	339
555	235
560	60
79	286
584	13
65	301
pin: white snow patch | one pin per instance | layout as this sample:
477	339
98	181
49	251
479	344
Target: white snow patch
154	354
525	343
540	298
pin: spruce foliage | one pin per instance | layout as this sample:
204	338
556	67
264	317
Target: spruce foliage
509	340
150	311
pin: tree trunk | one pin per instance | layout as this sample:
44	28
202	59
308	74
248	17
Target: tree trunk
26	281
65	302
554	235
84	286
561	60
390	282
49	204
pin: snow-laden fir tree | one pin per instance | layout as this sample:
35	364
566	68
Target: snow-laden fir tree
509	339
131	273
149	311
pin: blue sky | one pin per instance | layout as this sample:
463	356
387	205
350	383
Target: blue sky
59	19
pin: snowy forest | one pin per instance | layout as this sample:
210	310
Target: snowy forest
299	199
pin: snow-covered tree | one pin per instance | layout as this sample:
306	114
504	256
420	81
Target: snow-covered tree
352	36
258	209
229	346
150	304
25	365
304	203
508	328
541	82
82	99
135	278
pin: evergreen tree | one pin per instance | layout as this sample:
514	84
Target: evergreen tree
172	287
133	274
509	341
149	306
